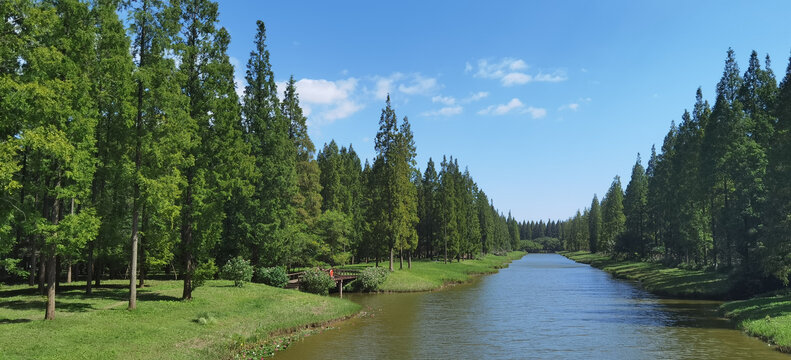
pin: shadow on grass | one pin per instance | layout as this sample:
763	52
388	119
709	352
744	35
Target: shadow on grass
759	308
14	321
41	305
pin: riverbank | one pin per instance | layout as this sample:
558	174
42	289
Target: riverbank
427	275
767	316
221	320
659	279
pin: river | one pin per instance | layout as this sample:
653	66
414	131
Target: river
542	306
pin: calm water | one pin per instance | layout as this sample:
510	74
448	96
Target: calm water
543	306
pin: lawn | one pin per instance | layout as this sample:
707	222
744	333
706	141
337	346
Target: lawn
659	279
767	316
163	327
426	275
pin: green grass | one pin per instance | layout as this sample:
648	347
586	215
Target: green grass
767	317
220	320
431	275
659	279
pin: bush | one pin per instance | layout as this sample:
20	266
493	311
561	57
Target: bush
206	318
316	281
237	269
202	273
370	278
272	276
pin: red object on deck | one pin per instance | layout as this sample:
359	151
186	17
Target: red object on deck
331	274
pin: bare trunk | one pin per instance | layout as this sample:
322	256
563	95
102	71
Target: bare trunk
400	259
68	272
89	270
42	274
391	259
51	279
31	279
410	260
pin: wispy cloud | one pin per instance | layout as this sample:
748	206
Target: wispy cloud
447	100
445	111
475	97
511	71
419	85
536	113
502	109
324	101
515	105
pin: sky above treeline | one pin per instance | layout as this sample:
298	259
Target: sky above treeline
544	102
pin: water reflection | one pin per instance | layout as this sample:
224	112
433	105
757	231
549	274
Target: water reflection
543	306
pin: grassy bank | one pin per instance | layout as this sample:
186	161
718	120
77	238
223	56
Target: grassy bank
659	279
432	275
100	327
766	316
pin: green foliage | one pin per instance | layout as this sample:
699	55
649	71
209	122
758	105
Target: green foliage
371	278
237	269
205	318
273	276
203	272
315	281
530	246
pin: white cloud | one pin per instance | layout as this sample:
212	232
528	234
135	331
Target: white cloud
556	76
385	85
445	111
511	71
419	85
238	76
513	105
447	100
516	78
477	96
572	107
325	101
502	109
536	113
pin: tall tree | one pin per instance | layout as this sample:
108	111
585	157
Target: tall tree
594	225
634	206
613	218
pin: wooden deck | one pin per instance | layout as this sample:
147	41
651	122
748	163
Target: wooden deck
339	275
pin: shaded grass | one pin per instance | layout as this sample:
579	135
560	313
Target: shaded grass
662	280
99	326
766	316
427	275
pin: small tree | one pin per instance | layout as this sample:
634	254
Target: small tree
237	269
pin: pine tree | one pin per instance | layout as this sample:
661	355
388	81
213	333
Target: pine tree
594	225
634	207
613	218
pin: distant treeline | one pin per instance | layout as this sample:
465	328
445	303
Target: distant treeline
719	192
126	151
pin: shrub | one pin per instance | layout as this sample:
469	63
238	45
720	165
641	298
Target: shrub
370	278
202	273
272	276
316	281
206	318
237	269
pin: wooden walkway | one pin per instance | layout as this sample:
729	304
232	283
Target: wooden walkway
339	275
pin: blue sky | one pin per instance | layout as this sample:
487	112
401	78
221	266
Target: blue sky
544	101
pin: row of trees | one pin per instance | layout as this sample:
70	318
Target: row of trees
134	162
718	194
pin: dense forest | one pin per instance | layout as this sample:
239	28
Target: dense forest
127	153
717	194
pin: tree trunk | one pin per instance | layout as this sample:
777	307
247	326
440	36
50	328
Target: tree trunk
133	261
42	275
68	272
391	258
31	279
400	259
98	272
51	280
410	260
89	269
